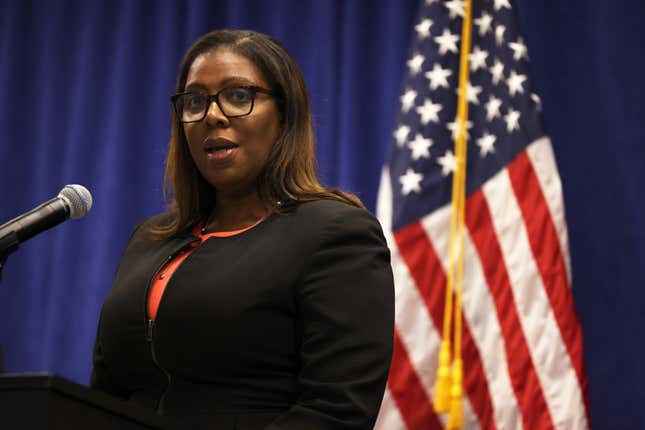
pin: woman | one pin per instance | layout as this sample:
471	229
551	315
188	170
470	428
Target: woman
260	300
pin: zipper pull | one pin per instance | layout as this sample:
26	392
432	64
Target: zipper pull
149	330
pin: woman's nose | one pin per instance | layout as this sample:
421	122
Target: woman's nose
214	115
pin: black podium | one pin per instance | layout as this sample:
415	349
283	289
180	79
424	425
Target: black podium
43	401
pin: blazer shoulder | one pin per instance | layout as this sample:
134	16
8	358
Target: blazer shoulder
324	217
327	210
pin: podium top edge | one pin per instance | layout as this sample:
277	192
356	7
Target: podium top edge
49	382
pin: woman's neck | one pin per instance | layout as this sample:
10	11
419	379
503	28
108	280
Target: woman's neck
235	212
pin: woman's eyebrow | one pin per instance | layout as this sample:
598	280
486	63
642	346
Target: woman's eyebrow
196	86
231	80
236	80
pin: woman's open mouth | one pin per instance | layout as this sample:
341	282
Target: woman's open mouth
219	149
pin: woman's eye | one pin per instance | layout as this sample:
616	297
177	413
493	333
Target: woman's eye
238	95
194	101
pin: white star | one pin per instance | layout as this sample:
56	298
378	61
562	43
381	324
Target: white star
484	23
411	181
438	77
486	143
472	93
514	83
448	163
407	100
447	42
456	8
419	147
492	108
537	101
512	119
499	34
401	134
415	64
478	59
423	28
497	71
429	111
454	128
519	49
502	3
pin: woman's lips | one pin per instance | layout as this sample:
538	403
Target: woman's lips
219	149
218	154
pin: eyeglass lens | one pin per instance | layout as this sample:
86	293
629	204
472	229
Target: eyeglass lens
234	101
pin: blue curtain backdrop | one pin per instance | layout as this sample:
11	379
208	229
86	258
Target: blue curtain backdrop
85	86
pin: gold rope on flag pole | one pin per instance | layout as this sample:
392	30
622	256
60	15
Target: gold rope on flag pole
456	419
448	388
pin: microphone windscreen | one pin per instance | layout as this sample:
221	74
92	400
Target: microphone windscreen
78	198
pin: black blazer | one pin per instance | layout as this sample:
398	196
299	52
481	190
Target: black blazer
287	326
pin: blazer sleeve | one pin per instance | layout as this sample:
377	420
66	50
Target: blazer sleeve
346	305
100	378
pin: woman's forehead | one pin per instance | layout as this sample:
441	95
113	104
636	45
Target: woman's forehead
221	66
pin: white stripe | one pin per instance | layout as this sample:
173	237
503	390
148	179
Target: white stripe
389	417
479	312
541	155
547	349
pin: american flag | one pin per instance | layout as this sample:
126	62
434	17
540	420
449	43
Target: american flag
522	341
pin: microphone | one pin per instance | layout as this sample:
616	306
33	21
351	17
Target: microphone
74	201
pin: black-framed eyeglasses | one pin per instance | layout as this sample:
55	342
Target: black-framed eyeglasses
232	101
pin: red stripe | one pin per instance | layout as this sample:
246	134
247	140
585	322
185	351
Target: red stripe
526	385
550	261
407	390
423	263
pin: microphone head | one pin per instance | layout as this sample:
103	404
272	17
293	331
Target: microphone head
78	199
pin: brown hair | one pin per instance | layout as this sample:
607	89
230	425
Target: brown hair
290	172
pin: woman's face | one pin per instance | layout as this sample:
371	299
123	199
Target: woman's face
230	152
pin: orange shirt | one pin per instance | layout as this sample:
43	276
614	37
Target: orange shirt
160	281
